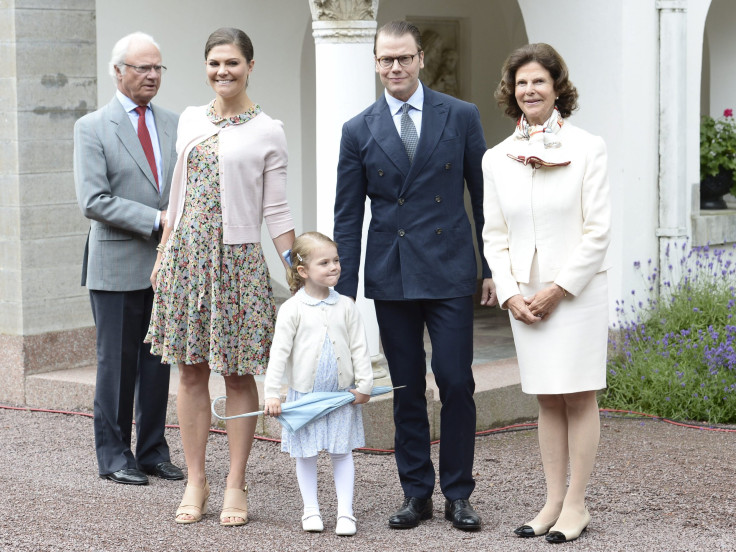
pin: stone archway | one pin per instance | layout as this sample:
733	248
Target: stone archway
719	64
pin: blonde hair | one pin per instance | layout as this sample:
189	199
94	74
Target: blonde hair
300	252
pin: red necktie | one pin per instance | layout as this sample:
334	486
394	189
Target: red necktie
145	139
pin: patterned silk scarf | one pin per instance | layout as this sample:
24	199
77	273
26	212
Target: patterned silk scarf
533	143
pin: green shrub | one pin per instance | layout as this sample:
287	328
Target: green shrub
674	356
718	145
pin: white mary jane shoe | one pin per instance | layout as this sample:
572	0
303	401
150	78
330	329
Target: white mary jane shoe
345	526
312	523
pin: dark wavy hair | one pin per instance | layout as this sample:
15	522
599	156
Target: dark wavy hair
546	56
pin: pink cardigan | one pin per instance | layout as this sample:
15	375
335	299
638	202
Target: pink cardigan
252	165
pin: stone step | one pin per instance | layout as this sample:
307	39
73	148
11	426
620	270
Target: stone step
498	399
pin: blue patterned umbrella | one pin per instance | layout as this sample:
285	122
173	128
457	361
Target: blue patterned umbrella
296	414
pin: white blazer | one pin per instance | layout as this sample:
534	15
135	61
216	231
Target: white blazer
562	213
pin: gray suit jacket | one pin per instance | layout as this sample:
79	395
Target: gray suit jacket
116	190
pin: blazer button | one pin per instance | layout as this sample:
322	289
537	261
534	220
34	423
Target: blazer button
401	201
437	198
380	172
438	231
401	232
447	166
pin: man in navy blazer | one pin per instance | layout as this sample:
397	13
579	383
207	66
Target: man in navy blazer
420	266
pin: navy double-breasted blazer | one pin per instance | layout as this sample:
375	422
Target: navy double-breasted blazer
420	243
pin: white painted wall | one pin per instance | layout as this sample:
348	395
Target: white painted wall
282	81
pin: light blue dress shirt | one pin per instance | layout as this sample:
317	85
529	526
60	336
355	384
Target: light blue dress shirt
416	101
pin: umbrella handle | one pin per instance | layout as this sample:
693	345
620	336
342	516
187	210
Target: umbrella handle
212	407
216	415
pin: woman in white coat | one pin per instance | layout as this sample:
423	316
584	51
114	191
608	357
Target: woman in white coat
546	234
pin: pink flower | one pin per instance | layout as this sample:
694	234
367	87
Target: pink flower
728	112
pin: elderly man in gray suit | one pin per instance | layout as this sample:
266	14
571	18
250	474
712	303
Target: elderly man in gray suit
124	155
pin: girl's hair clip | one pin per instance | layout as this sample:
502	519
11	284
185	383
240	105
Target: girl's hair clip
298	256
287	257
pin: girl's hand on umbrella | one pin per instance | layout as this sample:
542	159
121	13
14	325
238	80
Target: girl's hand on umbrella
272	407
360	398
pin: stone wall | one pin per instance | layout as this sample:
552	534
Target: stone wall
47	81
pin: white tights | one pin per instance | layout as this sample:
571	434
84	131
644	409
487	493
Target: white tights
343	471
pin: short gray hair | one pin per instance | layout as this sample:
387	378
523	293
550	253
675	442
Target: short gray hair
120	51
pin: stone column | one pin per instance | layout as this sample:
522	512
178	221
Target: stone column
673	207
47	80
343	33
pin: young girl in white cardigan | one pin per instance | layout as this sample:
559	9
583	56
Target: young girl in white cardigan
320	344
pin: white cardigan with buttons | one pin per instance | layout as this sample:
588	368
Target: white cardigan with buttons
300	333
562	213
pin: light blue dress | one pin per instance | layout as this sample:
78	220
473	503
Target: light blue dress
341	430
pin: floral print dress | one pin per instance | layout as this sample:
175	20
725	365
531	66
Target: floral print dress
213	301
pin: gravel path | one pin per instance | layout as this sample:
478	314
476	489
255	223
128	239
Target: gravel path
655	487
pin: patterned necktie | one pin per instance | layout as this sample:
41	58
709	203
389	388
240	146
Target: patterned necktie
408	133
145	139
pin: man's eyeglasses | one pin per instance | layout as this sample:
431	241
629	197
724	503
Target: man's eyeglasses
145	69
387	61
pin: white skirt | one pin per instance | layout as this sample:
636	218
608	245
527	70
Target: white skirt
565	352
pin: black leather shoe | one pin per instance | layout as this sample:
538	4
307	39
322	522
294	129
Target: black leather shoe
129	476
165	470
462	515
412	511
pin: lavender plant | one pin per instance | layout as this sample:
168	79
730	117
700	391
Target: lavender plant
674	355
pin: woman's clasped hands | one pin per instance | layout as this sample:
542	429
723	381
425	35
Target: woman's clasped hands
536	308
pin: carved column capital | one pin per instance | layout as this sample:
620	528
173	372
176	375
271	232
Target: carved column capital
343	31
343	10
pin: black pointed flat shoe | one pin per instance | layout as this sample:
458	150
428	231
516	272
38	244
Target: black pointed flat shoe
528	530
558	537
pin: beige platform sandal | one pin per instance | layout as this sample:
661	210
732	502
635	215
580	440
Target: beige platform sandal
194	503
235	506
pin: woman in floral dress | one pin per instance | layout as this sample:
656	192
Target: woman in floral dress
214	307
